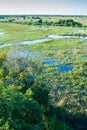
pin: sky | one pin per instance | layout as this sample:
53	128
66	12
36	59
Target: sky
58	7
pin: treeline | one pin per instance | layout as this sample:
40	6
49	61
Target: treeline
18	16
37	20
69	22
40	22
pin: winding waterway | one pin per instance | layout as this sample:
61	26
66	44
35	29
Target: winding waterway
48	38
46	60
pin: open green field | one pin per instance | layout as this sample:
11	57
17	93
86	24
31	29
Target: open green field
43	86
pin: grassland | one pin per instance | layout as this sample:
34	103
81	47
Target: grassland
67	89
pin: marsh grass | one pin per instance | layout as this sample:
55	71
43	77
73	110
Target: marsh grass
68	90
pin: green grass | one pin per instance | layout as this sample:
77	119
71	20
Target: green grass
69	88
18	32
68	91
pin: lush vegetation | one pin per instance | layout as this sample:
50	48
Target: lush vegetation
39	20
24	100
43	86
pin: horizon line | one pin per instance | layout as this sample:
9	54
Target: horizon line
48	14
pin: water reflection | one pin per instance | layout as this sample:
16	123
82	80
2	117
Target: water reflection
53	62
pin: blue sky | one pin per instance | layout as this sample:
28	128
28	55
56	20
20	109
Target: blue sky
60	7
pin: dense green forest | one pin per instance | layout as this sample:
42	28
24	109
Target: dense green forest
43	86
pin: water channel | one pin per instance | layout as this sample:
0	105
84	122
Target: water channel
46	60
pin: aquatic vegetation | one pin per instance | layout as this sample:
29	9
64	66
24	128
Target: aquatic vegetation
43	77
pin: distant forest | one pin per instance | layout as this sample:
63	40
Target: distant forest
39	20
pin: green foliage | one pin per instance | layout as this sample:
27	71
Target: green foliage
28	109
19	111
69	22
41	94
39	20
35	95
